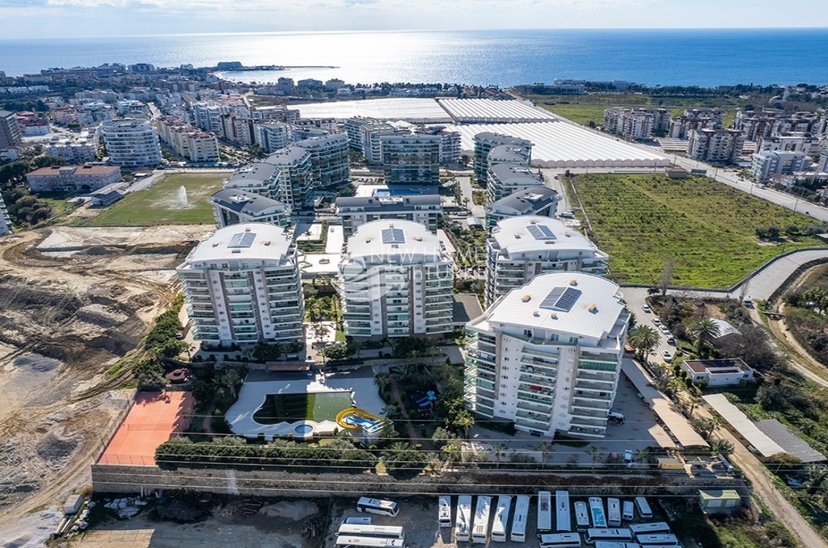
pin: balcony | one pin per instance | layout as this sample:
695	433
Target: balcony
588	422
535	420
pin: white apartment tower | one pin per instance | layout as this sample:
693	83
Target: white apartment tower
5	221
506	179
411	158
330	158
521	248
397	281
715	145
131	143
294	178
485	142
242	285
547	356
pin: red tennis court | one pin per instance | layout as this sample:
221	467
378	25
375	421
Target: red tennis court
154	418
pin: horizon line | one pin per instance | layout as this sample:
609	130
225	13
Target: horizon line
425	30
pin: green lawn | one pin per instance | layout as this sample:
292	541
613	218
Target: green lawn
707	227
579	113
296	407
160	204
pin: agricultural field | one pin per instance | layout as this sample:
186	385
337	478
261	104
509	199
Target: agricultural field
706	228
180	198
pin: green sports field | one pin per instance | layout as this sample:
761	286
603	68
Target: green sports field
296	407
164	202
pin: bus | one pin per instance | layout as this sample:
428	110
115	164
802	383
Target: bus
613	544
462	522
613	512
596	509
544	511
501	518
560	540
359	520
617	535
581	515
444	510
519	521
649	528
562	505
377	506
628	513
643	508
378	531
662	539
480	527
346	541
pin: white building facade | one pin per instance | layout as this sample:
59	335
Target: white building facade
242	285
397	281
548	356
131	143
5	220
521	248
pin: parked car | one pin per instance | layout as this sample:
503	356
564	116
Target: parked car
667	356
645	308
656	322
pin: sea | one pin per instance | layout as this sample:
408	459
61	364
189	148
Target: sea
504	58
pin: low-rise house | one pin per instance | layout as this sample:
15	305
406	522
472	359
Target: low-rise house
536	200
719	501
109	194
72	178
727	372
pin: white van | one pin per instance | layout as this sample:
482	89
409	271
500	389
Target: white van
628	514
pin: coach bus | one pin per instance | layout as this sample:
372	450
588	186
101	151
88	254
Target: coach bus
613	512
377	506
618	535
649	528
564	520
480	525
661	539
560	540
345	541
581	514
444	511
643	508
596	509
501	518
519	521
378	531
544	511
462	523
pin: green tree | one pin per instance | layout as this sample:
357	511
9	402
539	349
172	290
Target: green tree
703	331
226	380
724	448
643	339
545	448
149	373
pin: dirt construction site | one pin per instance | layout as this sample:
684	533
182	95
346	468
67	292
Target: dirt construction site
74	301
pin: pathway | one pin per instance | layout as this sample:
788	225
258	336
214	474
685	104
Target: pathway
412	435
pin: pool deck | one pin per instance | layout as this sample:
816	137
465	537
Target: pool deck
258	385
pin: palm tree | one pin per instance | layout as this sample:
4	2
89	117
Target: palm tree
703	330
382	381
722	447
643	339
498	449
226	380
545	449
399	446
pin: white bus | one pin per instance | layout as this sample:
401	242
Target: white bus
596	509
661	539
562	505
643	508
613	512
377	506
618	535
480	527
359	520
560	540
501	518
519	521
649	528
378	531
444	510
345	541
462	523
629	510
613	544
581	515
544	511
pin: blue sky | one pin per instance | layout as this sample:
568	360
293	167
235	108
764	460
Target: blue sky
78	18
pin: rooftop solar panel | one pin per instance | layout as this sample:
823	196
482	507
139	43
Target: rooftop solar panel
241	240
562	299
541	232
393	236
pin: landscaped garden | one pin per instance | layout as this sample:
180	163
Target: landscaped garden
710	232
181	198
296	407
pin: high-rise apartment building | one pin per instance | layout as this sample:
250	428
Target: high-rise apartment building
233	207
295	179
330	158
11	134
547	356
506	179
715	145
521	248
411	158
5	220
397	281
242	285
355	211
131	143
485	142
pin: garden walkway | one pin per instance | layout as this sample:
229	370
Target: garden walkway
412	435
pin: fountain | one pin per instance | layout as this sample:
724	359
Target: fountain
181	201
